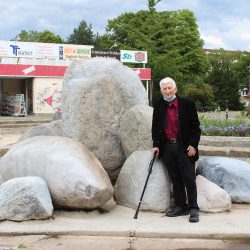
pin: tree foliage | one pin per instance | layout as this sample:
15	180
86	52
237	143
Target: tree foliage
242	71
223	77
82	35
34	36
202	95
171	39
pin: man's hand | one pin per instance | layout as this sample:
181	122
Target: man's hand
155	150
191	151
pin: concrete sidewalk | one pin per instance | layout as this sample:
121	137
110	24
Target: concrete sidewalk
149	231
120	222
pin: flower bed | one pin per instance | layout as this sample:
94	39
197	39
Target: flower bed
234	127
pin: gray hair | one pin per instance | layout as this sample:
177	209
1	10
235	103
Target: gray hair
167	80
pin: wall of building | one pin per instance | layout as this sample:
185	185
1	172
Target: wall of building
47	95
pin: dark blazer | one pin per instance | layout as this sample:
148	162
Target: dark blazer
189	125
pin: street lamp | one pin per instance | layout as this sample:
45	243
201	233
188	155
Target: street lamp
226	106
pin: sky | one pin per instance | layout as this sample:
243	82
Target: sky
222	23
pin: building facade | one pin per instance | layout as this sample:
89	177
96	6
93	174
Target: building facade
36	70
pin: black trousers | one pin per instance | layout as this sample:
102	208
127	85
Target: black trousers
182	174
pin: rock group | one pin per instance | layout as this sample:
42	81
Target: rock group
75	178
98	148
95	95
230	174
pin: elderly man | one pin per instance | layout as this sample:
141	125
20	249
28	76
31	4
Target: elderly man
176	135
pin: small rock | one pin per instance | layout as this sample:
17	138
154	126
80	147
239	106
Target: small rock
25	198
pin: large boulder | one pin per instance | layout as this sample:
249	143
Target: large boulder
135	129
76	179
132	178
230	174
96	93
25	198
210	197
53	128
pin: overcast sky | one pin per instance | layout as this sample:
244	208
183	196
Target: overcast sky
222	23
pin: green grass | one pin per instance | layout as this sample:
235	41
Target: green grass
21	245
222	123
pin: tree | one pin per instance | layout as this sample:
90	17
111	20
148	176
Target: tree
190	47
152	4
222	76
202	95
35	36
49	37
171	39
241	70
82	35
27	36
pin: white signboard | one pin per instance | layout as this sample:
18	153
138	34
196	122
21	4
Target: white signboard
132	56
44	50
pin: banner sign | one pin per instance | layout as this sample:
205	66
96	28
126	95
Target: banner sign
106	53
74	51
143	73
132	56
52	71
66	51
44	50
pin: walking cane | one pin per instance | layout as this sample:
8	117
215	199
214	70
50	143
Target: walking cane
149	172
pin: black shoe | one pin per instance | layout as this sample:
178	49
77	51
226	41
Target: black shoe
194	215
177	211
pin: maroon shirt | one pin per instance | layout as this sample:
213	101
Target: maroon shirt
172	126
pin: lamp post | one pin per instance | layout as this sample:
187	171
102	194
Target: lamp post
226	106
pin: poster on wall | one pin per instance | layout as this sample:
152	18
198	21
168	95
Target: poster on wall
48	96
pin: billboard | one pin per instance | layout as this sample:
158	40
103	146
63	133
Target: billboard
132	56
106	53
44	50
68	51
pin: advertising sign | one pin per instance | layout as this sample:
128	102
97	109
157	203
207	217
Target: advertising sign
132	56
44	50
74	51
106	53
28	50
143	73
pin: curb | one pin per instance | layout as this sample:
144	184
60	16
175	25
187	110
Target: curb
224	151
